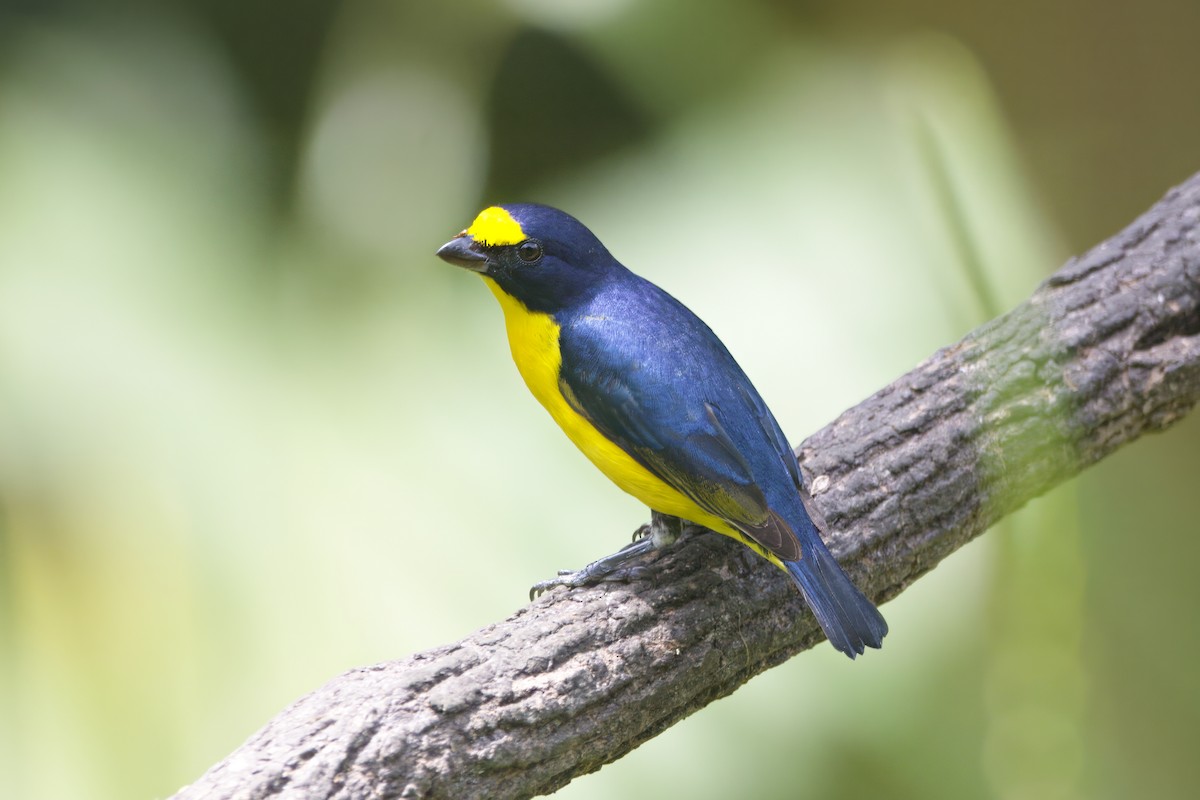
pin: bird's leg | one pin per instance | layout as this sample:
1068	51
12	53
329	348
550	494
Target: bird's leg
662	531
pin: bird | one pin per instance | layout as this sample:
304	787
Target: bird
654	399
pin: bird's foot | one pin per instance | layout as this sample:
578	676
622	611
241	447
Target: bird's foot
610	568
661	531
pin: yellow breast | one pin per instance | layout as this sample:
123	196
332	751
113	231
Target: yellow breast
533	338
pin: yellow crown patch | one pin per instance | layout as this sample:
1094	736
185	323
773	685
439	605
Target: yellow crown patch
495	226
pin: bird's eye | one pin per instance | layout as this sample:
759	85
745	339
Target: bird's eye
529	250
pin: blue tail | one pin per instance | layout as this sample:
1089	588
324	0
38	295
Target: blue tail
849	619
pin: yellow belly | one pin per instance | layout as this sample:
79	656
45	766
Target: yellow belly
533	338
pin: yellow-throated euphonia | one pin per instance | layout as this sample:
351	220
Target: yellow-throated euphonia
642	386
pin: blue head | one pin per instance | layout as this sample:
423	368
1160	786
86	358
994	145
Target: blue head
539	255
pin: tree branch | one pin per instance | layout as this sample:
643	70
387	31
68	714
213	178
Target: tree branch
1105	350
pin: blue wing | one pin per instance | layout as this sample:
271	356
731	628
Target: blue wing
661	386
655	380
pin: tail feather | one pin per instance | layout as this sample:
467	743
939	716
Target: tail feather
849	620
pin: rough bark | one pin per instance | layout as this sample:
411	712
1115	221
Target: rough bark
1105	350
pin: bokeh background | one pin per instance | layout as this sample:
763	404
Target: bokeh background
252	433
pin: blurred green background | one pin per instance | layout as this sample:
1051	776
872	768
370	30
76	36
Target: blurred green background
252	433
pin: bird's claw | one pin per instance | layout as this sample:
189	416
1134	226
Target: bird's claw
573	579
610	568
569	578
